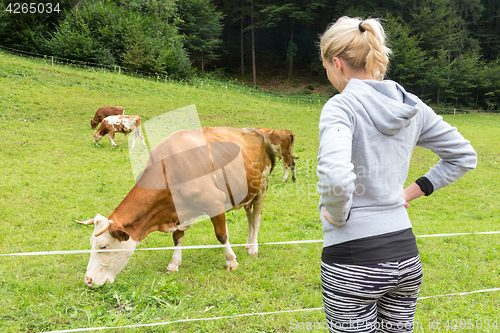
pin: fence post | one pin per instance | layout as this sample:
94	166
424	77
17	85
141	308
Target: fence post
454	112
52	61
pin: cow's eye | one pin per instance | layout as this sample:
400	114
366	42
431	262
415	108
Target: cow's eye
103	247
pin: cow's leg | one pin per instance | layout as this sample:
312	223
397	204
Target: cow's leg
141	136
219	222
289	164
134	137
251	243
111	138
249	211
287	169
292	166
177	257
254	216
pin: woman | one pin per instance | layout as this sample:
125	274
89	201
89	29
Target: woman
370	270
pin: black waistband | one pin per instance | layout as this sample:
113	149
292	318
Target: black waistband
393	246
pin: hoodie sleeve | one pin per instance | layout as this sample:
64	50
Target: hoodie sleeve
335	169
456	153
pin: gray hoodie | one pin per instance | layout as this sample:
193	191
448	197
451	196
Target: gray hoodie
367	135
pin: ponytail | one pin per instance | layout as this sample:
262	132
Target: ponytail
360	43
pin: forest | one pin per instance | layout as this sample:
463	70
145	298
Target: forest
444	51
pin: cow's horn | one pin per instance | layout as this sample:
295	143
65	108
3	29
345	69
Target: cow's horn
103	229
91	221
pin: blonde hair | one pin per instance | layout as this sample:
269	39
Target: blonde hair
360	43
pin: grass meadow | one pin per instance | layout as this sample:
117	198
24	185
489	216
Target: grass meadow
51	174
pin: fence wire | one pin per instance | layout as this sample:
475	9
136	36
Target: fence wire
199	82
206	83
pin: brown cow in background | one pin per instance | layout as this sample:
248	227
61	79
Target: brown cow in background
104	112
282	141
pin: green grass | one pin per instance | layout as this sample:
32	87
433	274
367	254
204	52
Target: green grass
52	174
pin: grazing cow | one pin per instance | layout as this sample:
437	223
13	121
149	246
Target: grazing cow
104	112
190	173
121	124
283	141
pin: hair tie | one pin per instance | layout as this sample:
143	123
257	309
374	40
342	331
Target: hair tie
360	26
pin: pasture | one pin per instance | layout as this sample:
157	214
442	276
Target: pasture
51	174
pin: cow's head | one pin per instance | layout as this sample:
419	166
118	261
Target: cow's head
97	136
94	123
110	253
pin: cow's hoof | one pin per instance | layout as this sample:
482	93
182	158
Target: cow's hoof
231	266
252	250
172	268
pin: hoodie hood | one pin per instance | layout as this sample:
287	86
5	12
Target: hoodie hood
388	104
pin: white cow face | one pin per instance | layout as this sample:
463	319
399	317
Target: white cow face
97	137
110	256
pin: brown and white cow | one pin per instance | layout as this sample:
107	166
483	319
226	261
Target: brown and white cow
283	141
121	124
190	173
104	112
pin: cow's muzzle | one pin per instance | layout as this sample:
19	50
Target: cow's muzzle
88	281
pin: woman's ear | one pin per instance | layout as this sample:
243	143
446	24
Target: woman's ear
338	63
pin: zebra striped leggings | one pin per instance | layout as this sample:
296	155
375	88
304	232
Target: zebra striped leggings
371	298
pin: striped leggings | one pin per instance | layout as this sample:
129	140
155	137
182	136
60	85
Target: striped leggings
371	298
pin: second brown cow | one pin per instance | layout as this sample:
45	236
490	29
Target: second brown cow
282	141
104	112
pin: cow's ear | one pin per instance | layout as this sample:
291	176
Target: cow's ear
120	234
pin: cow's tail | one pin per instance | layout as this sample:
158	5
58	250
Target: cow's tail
271	153
292	142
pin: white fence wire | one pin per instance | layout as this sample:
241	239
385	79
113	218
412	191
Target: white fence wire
199	82
41	253
164	323
88	329
195	81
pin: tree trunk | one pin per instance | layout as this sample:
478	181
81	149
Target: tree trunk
241	43
76	11
253	48
290	67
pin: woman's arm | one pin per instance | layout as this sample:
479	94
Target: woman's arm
412	192
335	169
456	153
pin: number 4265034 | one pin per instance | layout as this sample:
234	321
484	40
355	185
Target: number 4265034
33	8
